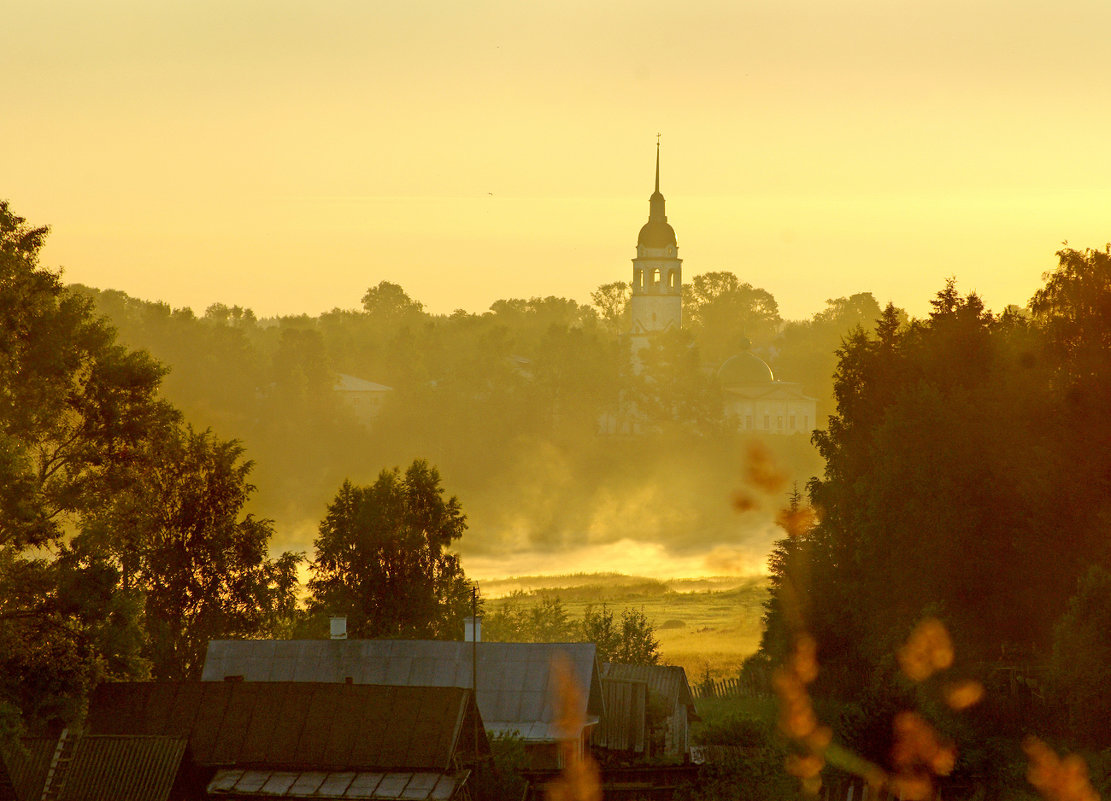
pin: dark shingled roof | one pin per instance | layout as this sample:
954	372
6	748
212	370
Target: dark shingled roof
120	768
297	726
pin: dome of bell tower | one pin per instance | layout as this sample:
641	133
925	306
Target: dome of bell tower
656	233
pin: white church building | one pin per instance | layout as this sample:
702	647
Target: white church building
752	396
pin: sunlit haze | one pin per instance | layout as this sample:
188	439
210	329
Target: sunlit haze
285	156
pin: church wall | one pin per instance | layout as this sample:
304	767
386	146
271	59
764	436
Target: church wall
655	313
783	416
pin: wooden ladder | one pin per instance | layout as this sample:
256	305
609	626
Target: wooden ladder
59	767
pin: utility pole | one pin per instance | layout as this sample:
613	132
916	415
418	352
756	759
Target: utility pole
474	666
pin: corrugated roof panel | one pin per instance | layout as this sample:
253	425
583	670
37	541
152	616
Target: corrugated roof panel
398	670
208	717
308	783
308	670
394	749
393	784
364	785
295	709
224	781
404	662
123	768
27	769
234	723
319	720
669	682
251	781
285	649
185	701
336	784
420	785
279	782
513	676
347	729
282	669
264	725
444	789
424	670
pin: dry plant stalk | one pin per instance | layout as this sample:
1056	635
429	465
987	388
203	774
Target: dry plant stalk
580	779
796	714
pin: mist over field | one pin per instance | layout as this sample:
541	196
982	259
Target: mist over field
508	405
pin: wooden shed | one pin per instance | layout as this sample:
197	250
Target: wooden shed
663	718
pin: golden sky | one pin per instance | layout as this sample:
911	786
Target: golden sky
287	155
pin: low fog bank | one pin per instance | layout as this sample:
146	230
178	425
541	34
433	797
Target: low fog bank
508	405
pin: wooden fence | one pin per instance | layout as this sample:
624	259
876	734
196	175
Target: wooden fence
747	687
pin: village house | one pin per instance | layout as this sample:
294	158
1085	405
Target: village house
649	709
518	683
185	741
364	398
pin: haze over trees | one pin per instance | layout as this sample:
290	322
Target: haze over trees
122	544
967	479
507	404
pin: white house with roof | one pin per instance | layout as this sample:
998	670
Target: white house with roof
364	398
760	404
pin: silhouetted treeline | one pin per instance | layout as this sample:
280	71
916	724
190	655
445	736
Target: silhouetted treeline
967	480
124	544
507	403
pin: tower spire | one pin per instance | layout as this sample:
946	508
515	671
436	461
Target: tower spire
657	164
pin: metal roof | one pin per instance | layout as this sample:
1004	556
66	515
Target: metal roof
121	768
668	682
297	726
349	383
408	786
516	684
27	767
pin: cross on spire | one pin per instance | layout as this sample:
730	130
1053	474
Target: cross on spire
657	164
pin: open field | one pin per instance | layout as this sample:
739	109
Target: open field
702	624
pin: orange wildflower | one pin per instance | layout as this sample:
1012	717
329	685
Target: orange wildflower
963	694
1055	778
927	650
580	779
761	470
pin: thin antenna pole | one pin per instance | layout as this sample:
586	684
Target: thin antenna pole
474	665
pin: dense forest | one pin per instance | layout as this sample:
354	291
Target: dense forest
506	403
958	551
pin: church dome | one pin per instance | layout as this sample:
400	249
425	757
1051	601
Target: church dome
656	234
744	368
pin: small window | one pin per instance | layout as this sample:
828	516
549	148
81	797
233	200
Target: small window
792	422
767	422
656	277
779	421
748	421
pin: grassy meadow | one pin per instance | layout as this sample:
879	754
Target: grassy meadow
702	624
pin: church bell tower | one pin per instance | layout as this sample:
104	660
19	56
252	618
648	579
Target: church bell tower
657	303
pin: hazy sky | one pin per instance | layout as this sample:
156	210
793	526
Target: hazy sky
287	155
